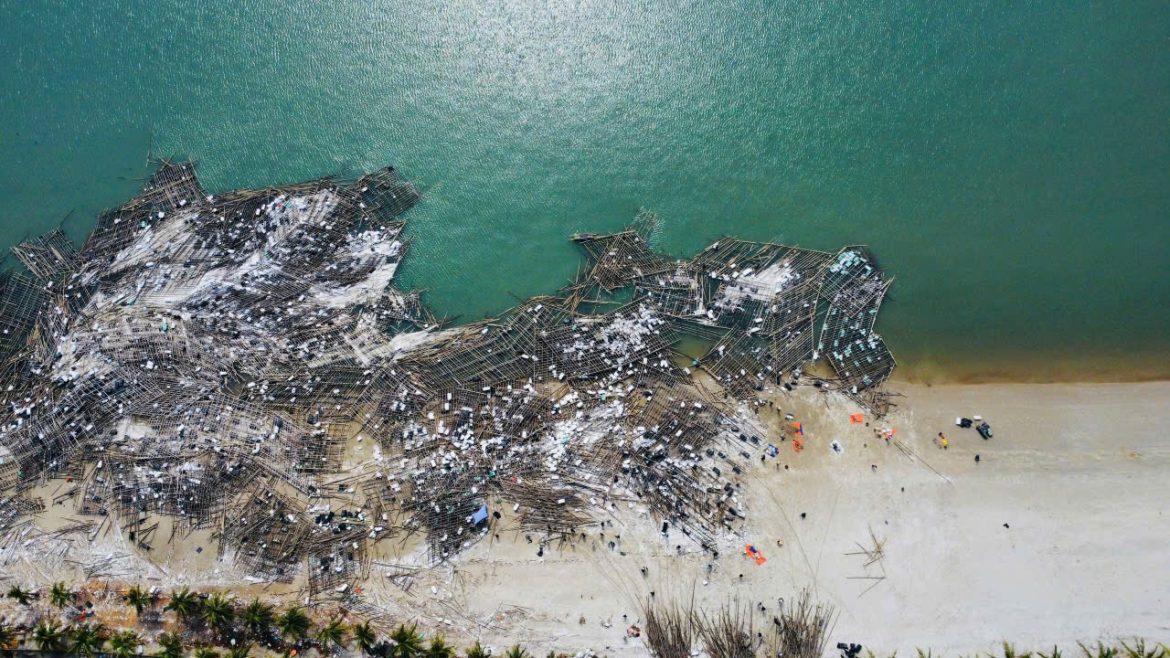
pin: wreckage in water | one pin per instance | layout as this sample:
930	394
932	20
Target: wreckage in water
210	361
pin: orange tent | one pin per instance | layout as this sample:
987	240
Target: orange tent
857	419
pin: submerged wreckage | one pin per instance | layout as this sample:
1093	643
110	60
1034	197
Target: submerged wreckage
211	362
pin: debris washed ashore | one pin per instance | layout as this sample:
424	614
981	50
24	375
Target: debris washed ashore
211	362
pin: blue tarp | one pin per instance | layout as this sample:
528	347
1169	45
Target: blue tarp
480	516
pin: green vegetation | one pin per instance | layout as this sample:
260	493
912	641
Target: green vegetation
184	604
671	631
294	623
476	651
124	644
88	639
406	642
60	596
517	652
218	612
48	636
20	595
1138	649
439	649
171	645
258	617
8	636
138	599
365	639
332	636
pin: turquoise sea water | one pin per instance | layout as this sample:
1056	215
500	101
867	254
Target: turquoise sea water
1009	162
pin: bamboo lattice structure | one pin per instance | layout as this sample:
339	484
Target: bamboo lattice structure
210	361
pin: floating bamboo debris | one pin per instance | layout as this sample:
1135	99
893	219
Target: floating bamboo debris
213	361
20	301
49	257
620	258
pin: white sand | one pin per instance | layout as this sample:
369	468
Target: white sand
1078	471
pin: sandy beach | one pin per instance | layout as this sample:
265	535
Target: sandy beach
1076	472
1057	535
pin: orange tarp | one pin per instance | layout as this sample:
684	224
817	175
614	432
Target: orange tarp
754	553
857	419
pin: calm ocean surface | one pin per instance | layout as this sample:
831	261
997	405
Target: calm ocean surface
1009	165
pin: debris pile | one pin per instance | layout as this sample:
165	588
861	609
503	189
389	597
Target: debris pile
244	363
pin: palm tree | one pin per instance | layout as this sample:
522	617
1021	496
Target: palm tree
60	596
257	617
172	645
48	636
364	637
407	642
88	639
124	643
205	652
294	623
332	635
22	596
8	639
1136	650
516	652
476	651
218	611
240	652
184	603
137	599
439	649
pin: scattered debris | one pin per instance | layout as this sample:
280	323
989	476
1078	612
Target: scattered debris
213	360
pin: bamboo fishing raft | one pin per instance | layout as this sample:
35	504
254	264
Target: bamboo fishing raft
210	361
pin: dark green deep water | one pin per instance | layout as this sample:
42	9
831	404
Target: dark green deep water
1008	162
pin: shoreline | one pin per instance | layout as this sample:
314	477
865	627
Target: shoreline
334	439
1010	371
977	379
929	371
